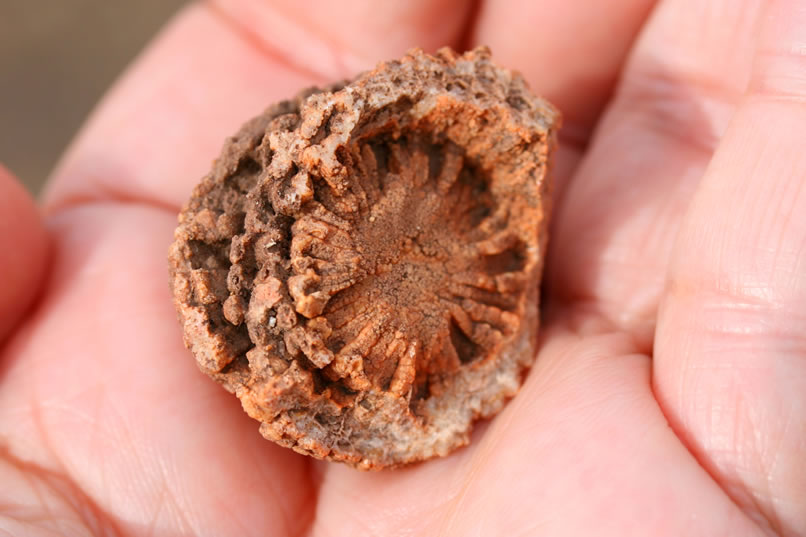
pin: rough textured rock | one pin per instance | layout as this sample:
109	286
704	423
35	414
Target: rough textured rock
361	266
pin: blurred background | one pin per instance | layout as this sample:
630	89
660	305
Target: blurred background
57	57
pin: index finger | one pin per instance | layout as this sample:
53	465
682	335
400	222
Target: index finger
153	137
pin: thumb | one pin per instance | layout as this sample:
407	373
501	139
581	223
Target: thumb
23	249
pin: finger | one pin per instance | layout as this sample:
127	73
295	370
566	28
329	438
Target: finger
731	356
620	214
338	39
570	52
23	247
154	136
102	393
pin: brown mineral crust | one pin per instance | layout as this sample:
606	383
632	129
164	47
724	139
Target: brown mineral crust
361	266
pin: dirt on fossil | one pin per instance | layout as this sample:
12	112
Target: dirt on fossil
361	266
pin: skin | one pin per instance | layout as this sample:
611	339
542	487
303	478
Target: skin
669	394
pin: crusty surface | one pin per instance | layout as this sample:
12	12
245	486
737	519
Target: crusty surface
361	266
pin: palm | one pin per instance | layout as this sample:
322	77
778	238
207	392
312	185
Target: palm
107	424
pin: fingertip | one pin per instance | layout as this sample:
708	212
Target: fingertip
23	251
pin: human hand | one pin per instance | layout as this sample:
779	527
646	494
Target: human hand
669	395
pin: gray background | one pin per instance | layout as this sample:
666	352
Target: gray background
56	59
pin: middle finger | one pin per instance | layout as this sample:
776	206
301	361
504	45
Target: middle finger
618	218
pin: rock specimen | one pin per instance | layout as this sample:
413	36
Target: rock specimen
361	267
